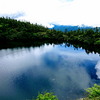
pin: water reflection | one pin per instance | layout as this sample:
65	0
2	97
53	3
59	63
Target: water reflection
65	71
97	67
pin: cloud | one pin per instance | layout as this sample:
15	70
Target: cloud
65	0
97	67
23	53
15	15
62	12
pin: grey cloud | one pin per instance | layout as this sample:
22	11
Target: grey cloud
15	15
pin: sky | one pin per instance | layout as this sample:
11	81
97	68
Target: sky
49	12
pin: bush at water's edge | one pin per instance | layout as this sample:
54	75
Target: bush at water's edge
92	93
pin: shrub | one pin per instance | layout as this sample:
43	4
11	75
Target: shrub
93	92
46	96
97	42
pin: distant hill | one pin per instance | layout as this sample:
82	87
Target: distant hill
69	27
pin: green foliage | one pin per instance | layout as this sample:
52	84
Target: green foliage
46	36
0	25
0	31
11	29
46	96
49	33
97	42
97	29
92	94
65	31
94	91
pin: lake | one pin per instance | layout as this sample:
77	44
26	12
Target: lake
66	71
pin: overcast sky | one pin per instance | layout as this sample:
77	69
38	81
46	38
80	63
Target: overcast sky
48	12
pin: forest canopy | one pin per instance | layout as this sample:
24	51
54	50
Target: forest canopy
11	29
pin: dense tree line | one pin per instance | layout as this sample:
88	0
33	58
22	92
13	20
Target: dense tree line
85	36
11	29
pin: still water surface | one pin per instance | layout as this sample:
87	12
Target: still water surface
65	71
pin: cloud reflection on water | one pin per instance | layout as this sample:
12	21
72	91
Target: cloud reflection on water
97	67
59	65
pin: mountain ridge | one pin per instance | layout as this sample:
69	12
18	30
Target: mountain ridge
73	28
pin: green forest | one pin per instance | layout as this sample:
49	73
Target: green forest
11	29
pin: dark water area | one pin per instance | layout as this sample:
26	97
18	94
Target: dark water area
66	71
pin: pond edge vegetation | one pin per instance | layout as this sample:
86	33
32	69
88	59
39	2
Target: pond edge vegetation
92	93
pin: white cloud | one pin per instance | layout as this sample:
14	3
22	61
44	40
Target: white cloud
22	55
65	12
97	67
